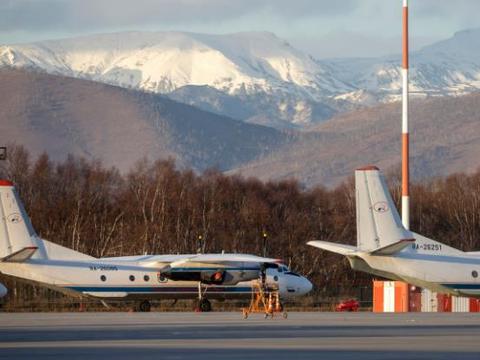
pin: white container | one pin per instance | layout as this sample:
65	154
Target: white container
429	301
460	304
389	296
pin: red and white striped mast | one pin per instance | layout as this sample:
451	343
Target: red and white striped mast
405	140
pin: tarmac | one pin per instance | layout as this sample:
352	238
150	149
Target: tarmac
218	335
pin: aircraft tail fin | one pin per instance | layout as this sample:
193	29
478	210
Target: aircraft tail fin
18	240
378	221
16	231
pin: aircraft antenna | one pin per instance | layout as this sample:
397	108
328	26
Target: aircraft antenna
405	131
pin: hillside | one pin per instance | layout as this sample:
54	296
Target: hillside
63	115
445	136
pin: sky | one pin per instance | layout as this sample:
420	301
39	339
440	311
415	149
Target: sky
333	28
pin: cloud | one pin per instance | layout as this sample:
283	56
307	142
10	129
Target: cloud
30	14
25	15
435	8
304	22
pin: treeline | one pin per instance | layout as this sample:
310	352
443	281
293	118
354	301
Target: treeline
157	208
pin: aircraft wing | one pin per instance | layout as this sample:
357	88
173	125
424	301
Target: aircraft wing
227	269
215	260
226	258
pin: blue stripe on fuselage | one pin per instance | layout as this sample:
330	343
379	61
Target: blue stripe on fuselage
173	269
159	289
463	286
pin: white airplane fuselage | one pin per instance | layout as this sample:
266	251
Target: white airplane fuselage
24	255
386	248
450	274
127	279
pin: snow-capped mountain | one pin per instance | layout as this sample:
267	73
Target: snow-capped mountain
243	64
447	68
256	77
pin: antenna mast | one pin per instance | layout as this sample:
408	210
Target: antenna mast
405	133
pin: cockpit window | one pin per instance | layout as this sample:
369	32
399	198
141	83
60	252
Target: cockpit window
292	273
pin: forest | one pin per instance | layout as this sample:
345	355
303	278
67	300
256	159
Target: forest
157	208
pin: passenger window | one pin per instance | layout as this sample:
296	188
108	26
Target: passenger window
132	278
146	278
103	278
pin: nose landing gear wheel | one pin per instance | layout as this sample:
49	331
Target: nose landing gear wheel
204	305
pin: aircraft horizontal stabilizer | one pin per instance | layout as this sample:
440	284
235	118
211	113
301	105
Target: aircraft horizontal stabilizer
342	249
333	247
392	249
21	255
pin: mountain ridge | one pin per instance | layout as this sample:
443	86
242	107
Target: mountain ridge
444	133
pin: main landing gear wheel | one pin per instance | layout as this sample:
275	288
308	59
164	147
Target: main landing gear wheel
204	305
144	306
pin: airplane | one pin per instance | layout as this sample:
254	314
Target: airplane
24	255
387	249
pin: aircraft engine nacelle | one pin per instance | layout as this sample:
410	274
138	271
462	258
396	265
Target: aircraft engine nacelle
3	290
206	277
212	277
229	277
233	277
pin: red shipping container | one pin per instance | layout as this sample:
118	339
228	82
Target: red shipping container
444	303
401	296
474	305
377	296
397	300
415	299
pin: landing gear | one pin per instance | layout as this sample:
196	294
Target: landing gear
144	306
204	305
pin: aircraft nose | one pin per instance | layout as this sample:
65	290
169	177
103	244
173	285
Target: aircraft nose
306	286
